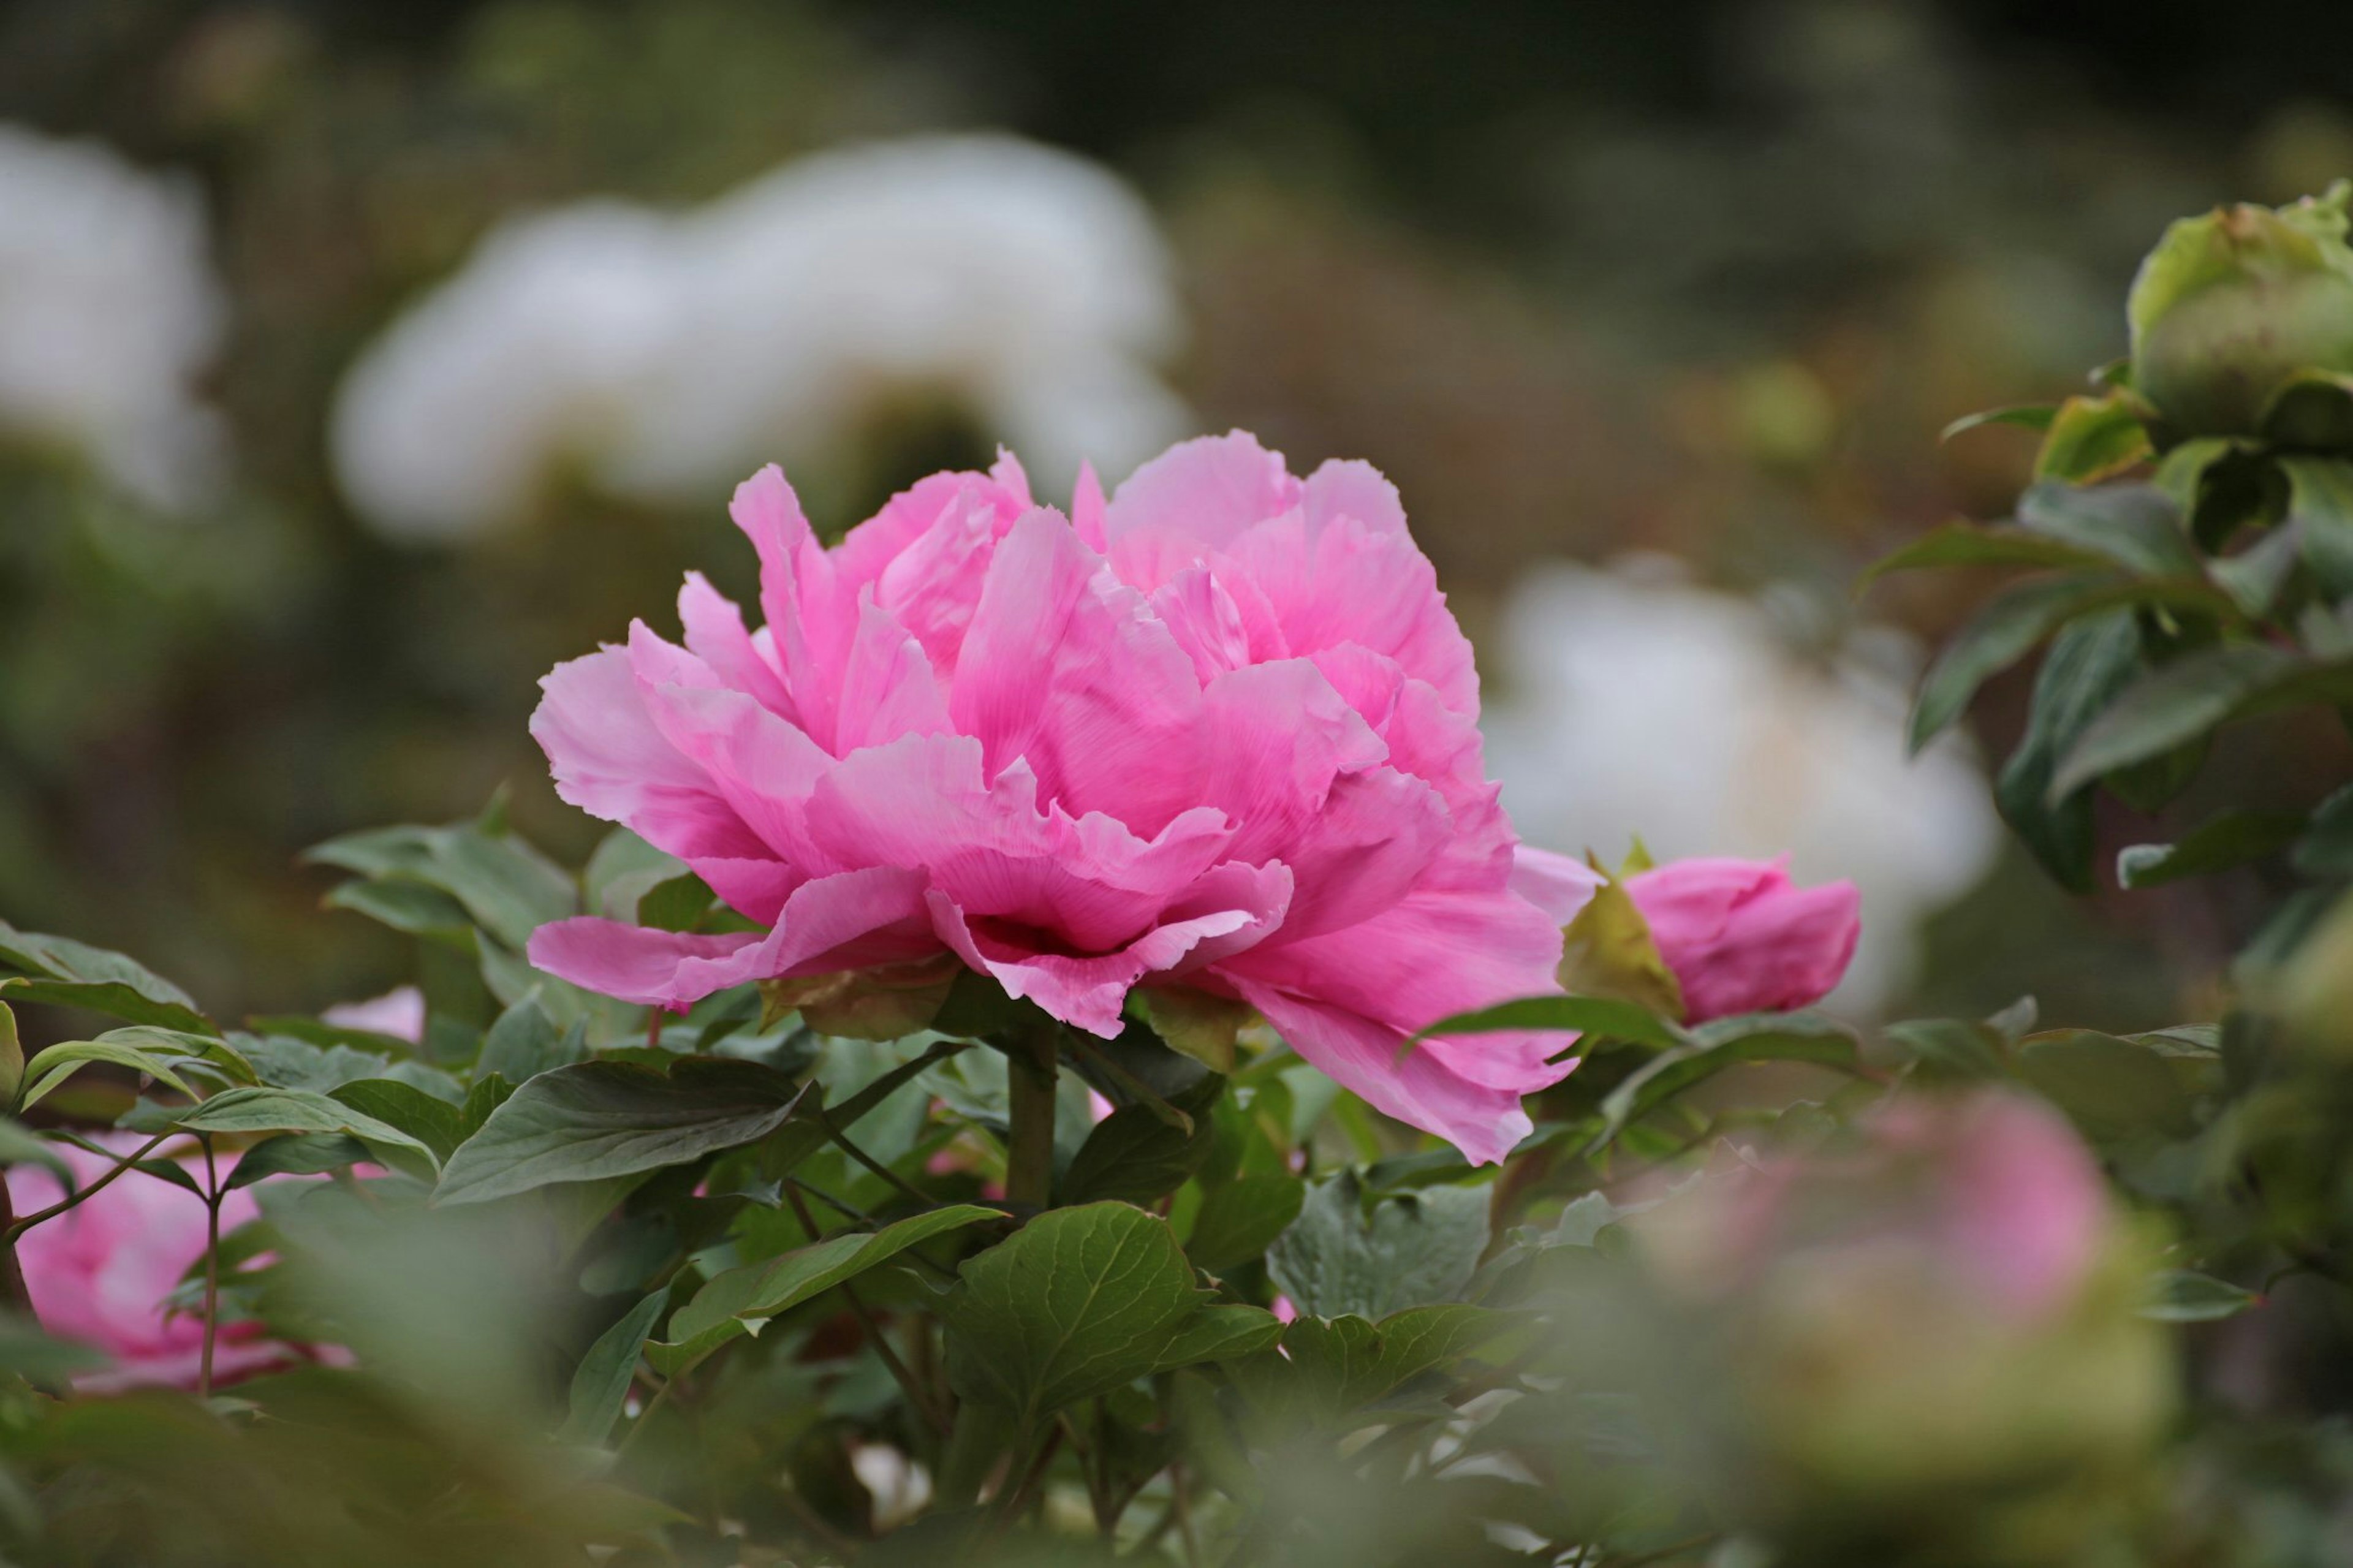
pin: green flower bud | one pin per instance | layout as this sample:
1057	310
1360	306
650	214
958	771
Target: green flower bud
2234	306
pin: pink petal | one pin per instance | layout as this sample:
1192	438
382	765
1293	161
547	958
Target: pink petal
1559	885
715	635
1207	491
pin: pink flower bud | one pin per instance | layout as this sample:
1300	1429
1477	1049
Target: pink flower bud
1742	938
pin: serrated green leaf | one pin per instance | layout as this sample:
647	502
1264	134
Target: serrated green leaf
1411	1249
1080	1301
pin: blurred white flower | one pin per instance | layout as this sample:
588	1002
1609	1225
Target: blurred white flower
899	1486
1640	705
108	309
669	354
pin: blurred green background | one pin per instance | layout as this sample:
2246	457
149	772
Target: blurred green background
1701	280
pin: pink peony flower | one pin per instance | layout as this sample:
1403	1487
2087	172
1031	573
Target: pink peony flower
100	1273
1218	731
399	1012
1742	938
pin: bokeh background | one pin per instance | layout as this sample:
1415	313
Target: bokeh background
358	362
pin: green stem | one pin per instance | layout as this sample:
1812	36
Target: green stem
1030	1068
12	1273
20	1227
211	1269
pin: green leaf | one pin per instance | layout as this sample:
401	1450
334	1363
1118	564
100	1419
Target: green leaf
1080	1301
1978	544
2229	838
2091	439
1199	1025
49	1069
2028	415
1138	1154
1331	1367
505	885
2184	1296
2002	634
250	1110
1411	1249
2138	527
410	908
1715	1045
885	1002
525	1042
2114	1089
20	1145
2170	706
677	904
1239	1220
600	1383
1607	952
600	1119
2326	847
12	1056
436	1123
737	1301
2320	508
2088	663
1952	1049
1597	1016
297	1154
64	973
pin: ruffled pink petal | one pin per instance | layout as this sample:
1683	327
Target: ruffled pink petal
1205	620
1087	507
932	587
888	688
851	920
1742	938
1350	582
611	760
715	635
1279	735
762	766
1347	486
1204	493
1066	669
1559	885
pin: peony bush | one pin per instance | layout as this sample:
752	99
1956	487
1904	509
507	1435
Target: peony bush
1061	1057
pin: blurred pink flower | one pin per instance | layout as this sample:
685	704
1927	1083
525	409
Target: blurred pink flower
101	1272
1742	938
399	1012
1219	731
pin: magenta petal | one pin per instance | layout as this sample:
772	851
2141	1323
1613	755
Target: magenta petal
1559	885
1742	938
888	688
715	635
1351	488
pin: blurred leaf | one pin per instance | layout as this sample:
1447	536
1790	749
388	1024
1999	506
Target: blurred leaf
2226	839
327	1036
1978	544
623	869
12	1056
410	908
1998	637
2311	409
2326	847
2028	415
1413	1249
29	1353
2254	577
2184	1296
2091	439
20	1145
290	1063
1949	1048
2320	508
600	1383
598	1118
435	1124
1331	1367
2170	706
2112	1089
737	1301
1078	1302
2137	527
1596	1016
65	973
250	1111
1239	1220
508	888
1715	1045
2088	663
677	904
